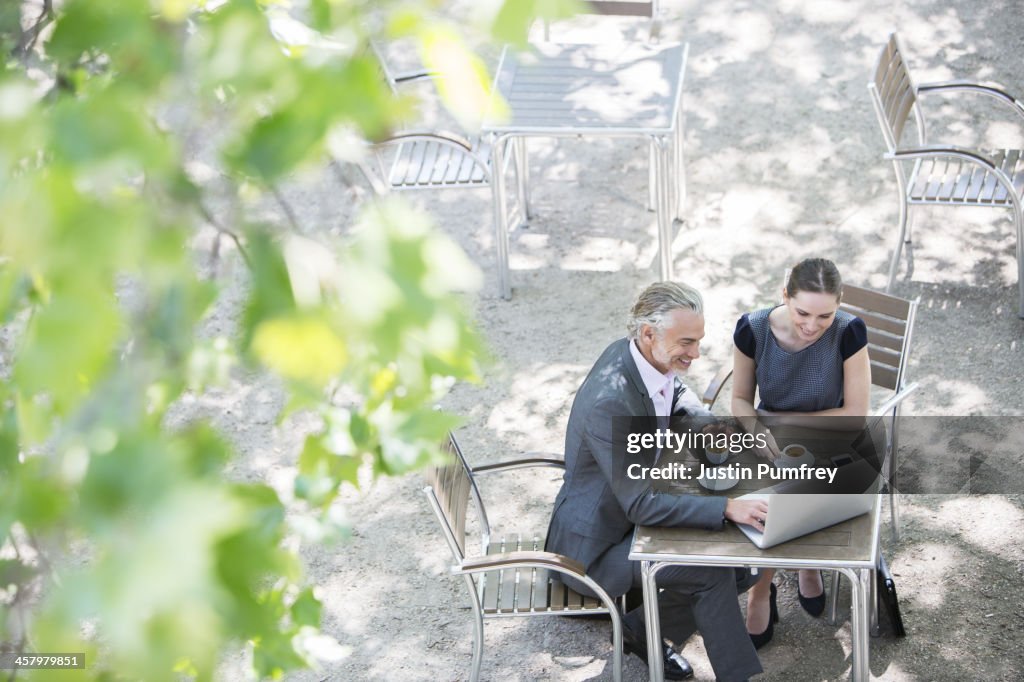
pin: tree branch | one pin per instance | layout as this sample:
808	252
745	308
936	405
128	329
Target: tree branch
286	207
222	231
29	36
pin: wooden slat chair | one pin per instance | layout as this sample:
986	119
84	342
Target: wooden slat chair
430	159
943	175
513	575
890	323
620	8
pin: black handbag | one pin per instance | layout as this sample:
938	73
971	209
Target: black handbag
887	599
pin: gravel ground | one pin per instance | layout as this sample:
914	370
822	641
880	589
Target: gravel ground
783	161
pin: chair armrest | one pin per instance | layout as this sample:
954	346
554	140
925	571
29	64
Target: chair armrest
530	459
894	401
932	151
990	90
444	136
410	76
715	387
549	560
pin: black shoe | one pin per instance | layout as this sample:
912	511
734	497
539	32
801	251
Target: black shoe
773	617
813	605
676	667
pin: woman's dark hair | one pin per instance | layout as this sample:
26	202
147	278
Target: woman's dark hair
816	275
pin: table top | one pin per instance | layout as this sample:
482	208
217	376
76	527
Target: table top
850	544
620	88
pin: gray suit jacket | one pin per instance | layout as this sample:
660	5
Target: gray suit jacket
598	504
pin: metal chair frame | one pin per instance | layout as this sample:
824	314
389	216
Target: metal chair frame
943	175
511	577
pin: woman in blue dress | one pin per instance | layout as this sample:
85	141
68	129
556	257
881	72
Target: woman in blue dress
806	359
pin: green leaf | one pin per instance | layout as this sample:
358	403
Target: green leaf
9	442
142	49
271	290
279	142
512	23
300	347
322	471
307	608
68	344
465	85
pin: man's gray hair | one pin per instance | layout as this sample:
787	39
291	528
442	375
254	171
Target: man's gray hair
657	302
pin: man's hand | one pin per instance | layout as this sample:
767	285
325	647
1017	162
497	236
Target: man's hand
748	512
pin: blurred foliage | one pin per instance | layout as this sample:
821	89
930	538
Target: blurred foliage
120	535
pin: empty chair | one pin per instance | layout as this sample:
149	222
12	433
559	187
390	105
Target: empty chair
420	158
620	8
512	575
940	174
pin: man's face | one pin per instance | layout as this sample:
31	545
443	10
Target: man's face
673	349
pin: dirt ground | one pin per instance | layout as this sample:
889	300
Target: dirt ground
783	161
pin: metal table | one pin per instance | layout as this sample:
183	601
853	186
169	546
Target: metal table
851	548
620	90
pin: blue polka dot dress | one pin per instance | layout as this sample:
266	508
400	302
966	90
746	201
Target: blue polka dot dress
809	380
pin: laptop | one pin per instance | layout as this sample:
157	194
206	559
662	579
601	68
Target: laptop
797	508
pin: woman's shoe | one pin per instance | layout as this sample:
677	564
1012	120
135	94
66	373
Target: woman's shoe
773	617
813	605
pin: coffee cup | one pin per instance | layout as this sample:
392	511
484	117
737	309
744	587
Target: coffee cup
794	451
794	455
715	454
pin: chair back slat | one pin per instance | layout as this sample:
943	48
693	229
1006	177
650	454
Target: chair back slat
876	301
624	8
883	355
889	320
883	375
450	486
895	91
884	340
892	326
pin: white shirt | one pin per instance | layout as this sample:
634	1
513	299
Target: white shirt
659	386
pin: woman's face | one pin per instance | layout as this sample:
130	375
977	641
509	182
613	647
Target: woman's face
811	313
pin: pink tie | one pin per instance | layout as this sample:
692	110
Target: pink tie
666	392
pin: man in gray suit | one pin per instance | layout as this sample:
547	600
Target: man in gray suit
599	505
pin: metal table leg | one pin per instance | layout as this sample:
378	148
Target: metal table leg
500	216
662	147
859	617
522	177
655	663
679	169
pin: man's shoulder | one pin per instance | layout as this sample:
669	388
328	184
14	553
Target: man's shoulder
615	360
609	378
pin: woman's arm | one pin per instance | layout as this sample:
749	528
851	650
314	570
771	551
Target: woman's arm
856	399
744	384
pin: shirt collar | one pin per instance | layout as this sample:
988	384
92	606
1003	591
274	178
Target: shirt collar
654	381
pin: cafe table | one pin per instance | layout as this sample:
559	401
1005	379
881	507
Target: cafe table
851	548
622	89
